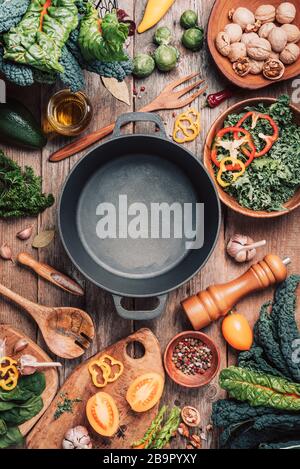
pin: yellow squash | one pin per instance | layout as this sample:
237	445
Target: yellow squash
155	10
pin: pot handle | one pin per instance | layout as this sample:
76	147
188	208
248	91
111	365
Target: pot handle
139	117
140	315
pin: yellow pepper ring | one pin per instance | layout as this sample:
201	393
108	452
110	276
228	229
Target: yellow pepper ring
94	367
223	169
190	131
10	375
111	363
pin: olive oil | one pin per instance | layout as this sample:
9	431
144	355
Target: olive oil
68	113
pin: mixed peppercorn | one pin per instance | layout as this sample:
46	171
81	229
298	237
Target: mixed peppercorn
192	356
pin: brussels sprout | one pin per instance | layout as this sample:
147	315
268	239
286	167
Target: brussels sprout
166	58
163	36
143	65
189	19
193	39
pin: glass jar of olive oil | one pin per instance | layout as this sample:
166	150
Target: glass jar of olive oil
68	113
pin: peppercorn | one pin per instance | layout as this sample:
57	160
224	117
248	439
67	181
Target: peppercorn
191	356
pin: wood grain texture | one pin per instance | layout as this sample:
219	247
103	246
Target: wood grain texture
49	433
282	235
219	18
12	336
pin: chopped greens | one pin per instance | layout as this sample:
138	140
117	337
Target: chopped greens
270	181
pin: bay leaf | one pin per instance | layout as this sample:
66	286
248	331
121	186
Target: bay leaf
118	89
43	239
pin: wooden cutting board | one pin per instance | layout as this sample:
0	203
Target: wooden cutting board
12	336
49	433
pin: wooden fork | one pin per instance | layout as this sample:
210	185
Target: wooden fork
168	99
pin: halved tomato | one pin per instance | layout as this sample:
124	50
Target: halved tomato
145	391
103	414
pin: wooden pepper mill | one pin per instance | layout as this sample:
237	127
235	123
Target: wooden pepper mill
217	300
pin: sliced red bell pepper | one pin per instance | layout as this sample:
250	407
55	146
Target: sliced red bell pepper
233	146
269	139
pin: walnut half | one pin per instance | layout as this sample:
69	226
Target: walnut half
273	69
242	66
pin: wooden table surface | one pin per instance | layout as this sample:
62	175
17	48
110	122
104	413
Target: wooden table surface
282	234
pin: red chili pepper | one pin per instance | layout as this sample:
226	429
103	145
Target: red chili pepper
269	139
247	140
215	99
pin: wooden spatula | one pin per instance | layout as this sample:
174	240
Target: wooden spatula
68	332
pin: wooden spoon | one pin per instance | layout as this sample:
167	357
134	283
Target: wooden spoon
68	332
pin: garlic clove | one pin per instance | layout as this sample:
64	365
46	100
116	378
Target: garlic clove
20	345
25	233
6	252
242	248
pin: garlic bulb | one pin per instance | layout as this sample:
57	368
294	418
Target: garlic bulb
242	248
20	345
77	438
286	13
234	31
243	17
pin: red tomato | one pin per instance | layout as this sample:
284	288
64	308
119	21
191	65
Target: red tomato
237	332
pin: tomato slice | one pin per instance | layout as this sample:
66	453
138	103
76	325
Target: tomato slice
145	392
102	414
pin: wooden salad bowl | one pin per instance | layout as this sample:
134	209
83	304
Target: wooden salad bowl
291	205
219	18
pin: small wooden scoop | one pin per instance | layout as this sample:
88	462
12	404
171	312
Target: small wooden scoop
68	332
51	274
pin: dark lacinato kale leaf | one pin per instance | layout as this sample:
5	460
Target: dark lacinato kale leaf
293	444
11	13
19	74
256	360
72	76
231	412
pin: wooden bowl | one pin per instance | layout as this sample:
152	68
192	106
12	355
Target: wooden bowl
291	205
193	381
219	18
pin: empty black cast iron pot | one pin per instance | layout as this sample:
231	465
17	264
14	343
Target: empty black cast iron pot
123	179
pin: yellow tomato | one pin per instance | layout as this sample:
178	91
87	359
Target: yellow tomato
237	332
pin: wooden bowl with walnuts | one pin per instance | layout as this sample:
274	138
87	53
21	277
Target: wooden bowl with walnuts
255	44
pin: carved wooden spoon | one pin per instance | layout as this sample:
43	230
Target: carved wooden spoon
68	332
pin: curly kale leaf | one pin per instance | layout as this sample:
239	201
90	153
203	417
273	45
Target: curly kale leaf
18	74
73	76
283	316
20	191
11	12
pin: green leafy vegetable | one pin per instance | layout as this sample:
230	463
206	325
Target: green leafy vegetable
281	445
260	389
152	432
272	180
21	75
65	406
3	427
20	191
102	40
11	13
12	437
167	431
23	412
38	39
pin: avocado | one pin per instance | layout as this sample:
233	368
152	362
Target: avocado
18	126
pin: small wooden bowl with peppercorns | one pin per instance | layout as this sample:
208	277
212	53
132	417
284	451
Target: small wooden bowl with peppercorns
191	359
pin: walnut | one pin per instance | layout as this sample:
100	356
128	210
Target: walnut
286	13
230	13
277	39
253	28
256	66
243	17
265	13
265	30
274	55
292	31
234	32
259	49
290	54
273	69
248	37
242	66
237	51
223	43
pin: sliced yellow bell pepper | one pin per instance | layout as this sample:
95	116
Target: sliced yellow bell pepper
223	169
